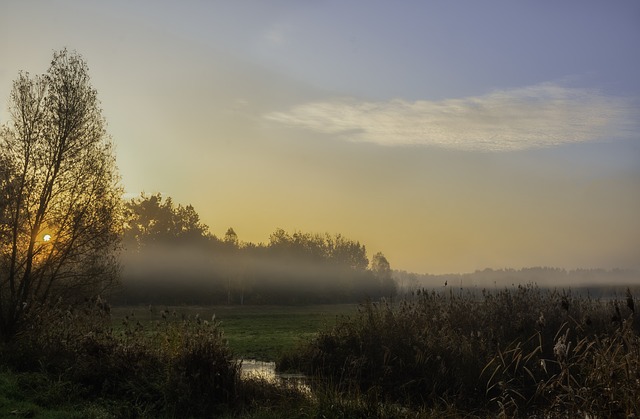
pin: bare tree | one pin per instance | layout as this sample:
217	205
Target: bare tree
60	202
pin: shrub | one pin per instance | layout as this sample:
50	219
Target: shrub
202	373
174	368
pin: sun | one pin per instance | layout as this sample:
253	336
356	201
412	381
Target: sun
46	237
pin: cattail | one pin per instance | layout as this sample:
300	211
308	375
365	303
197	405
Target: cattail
630	301
561	348
617	317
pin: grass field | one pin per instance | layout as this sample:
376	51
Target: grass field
253	332
434	355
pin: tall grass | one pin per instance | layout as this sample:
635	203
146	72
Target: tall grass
511	352
173	368
523	351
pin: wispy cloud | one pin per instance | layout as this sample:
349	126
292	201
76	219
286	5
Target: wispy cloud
543	115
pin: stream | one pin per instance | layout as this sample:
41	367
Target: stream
250	368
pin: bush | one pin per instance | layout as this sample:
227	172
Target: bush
202	373
175	368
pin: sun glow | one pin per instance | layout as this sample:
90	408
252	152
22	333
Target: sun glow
46	237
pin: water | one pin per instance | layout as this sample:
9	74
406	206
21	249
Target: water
250	368
262	369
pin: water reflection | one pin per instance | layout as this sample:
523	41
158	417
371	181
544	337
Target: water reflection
250	368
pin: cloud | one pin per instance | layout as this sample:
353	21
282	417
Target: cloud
543	115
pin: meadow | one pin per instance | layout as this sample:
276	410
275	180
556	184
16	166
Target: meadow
257	332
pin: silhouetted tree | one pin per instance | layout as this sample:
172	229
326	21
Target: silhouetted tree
60	203
296	267
316	247
231	238
7	183
348	252
382	270
154	220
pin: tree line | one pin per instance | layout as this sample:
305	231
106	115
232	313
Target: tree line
170	257
63	219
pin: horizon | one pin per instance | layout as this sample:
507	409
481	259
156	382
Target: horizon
451	140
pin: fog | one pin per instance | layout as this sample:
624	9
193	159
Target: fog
179	274
171	257
193	274
595	282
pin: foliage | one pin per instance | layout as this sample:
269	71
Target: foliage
382	271
154	221
315	247
434	355
515	351
172	259
60	200
173	368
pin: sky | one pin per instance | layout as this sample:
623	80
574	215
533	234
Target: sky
451	136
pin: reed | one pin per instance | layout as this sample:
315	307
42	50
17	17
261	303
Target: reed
509	352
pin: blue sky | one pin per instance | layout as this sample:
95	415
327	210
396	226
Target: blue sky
451	136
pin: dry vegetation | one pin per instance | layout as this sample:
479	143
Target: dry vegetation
522	351
519	351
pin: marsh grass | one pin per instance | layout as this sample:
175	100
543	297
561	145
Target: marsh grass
171	369
84	362
511	352
522	351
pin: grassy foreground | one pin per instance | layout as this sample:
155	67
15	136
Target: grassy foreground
253	332
518	352
140	361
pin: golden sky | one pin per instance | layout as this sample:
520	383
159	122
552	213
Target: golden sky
449	140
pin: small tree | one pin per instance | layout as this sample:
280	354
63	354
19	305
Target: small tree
60	199
382	270
231	238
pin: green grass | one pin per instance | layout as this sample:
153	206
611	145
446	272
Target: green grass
34	395
253	332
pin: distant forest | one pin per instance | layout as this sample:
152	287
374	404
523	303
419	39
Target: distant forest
594	282
170	257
